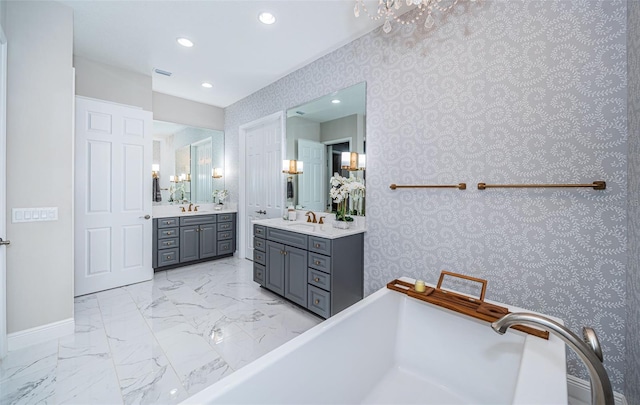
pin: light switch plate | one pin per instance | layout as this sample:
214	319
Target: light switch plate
34	214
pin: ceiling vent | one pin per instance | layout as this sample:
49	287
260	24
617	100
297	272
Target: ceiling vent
162	72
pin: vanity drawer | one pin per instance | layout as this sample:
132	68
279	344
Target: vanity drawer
259	244
225	235
319	301
294	239
225	247
320	245
168	256
167	222
225	217
167	233
259	257
225	226
259	231
258	273
320	262
168	243
197	220
319	279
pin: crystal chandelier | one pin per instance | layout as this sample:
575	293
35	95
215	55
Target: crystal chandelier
393	9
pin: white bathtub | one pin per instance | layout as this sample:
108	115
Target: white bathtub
392	349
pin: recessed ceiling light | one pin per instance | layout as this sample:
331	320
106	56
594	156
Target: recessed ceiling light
267	18
207	85
335	101
185	42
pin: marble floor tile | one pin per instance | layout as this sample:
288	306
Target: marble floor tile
20	363
156	342
160	387
38	387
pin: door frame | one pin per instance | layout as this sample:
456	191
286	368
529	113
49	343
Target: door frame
242	169
3	190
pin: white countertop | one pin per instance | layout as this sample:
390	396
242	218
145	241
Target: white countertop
168	211
324	231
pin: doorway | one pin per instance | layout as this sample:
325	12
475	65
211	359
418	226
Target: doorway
261	180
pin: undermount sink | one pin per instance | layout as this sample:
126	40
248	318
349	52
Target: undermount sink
305	227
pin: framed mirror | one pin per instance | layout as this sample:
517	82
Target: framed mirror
318	133
190	162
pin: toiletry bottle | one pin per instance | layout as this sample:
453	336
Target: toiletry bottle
292	213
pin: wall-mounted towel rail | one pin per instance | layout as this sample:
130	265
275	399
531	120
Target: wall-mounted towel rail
460	186
596	185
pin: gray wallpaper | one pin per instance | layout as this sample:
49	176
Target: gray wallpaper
498	92
632	375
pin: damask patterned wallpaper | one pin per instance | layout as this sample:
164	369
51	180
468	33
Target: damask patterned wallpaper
632	375
497	92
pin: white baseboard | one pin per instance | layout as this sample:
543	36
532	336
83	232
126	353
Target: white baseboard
581	390
40	334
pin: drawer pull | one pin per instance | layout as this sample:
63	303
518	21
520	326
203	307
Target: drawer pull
317	262
168	257
167	222
169	232
317	245
316	302
316	279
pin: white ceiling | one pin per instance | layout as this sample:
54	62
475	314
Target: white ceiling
233	50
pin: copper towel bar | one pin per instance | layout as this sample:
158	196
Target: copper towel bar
460	186
596	185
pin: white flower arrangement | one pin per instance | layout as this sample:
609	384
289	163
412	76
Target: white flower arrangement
342	188
221	195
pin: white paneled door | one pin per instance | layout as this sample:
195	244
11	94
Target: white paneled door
312	183
263	178
113	150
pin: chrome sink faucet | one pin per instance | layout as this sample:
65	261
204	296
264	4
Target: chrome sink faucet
588	350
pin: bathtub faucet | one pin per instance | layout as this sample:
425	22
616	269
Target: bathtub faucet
588	350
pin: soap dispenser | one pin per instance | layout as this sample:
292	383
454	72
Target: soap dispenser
291	212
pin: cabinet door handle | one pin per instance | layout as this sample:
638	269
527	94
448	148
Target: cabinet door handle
168	257
316	279
317	245
316	302
317	262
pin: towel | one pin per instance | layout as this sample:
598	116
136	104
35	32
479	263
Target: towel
289	189
157	195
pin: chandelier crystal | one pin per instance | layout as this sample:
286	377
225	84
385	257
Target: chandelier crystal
394	9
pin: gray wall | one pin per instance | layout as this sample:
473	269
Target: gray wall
181	111
632	376
501	92
39	165
104	82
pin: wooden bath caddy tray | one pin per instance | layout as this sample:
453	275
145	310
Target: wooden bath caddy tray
473	307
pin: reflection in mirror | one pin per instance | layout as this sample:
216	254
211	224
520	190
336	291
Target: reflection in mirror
317	134
190	160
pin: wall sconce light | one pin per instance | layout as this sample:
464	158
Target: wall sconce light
292	166
352	161
184	177
216	172
155	171
173	179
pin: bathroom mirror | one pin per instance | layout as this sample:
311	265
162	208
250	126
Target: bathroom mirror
193	157
317	134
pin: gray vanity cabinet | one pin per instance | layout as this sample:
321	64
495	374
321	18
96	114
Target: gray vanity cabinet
274	277
184	240
286	271
189	243
323	275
